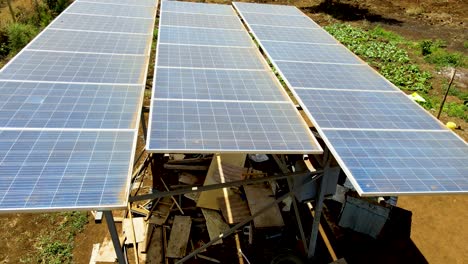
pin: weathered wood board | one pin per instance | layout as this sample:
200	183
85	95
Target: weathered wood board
179	237
155	247
140	229
233	208
258	196
214	224
208	199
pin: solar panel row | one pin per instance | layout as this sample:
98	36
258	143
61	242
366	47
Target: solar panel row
69	109
386	144
214	93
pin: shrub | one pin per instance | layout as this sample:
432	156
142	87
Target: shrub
19	35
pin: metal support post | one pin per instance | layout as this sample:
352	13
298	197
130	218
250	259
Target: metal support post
296	211
318	212
115	237
143	124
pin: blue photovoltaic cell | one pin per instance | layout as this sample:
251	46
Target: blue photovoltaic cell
198	8
76	67
278	20
217	85
103	24
389	162
209	57
302	52
204	36
333	76
200	20
99	42
64	169
353	109
268	9
112	10
306	35
68	105
228	126
150	3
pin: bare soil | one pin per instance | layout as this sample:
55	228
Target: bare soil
440	225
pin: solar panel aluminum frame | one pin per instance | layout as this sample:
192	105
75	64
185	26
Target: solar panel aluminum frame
321	131
135	130
267	69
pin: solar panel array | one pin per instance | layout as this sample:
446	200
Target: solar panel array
213	92
70	104
385	143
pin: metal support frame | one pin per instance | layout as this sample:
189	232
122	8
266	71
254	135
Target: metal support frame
241	224
115	237
156	195
296	212
318	207
143	124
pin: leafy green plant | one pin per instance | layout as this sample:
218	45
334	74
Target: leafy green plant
407	77
19	35
456	110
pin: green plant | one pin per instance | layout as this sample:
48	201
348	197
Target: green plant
442	57
426	47
19	35
456	110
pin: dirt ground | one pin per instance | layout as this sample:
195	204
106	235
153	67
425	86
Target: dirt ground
440	225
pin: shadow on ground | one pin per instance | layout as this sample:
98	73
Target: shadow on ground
348	12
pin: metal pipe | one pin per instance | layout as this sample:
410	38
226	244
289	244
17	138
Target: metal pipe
114	236
296	211
446	93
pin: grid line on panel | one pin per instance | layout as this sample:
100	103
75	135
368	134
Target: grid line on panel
98	15
217	84
353	109
333	76
50	169
204	36
299	35
228	126
389	162
268	9
310	53
51	105
208	57
150	3
111	10
52	66
197	8
84	52
199	20
103	24
79	41
278	20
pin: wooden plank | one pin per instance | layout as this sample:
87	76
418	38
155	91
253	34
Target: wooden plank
179	236
215	224
233	208
106	252
208	199
230	173
155	247
185	167
140	229
258	196
189	161
189	178
94	253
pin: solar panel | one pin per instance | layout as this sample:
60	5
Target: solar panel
198	8
302	52
268	9
403	162
385	143
334	76
204	36
210	126
217	84
306	35
363	110
70	104
99	42
103	24
149	3
111	10
209	57
75	67
200	20
278	20
214	93
44	170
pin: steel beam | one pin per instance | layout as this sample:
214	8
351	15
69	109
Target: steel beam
115	237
